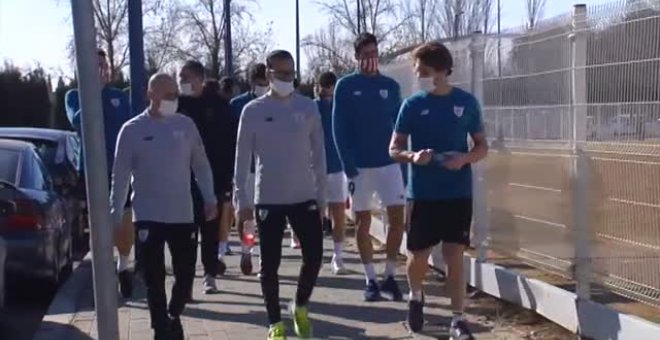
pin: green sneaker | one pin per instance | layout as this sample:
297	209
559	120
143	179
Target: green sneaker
277	331
301	323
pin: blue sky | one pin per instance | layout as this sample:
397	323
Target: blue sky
45	29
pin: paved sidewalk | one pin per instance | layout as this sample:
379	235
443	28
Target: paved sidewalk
337	308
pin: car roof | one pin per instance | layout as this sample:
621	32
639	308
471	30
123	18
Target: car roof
40	133
17	145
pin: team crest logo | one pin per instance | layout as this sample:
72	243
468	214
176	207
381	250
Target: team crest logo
263	214
143	235
115	102
298	117
384	94
458	111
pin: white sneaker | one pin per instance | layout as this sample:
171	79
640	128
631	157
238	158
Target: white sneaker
210	286
338	267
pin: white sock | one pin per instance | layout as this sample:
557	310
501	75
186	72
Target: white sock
390	268
369	272
415	296
222	248
339	247
456	317
122	264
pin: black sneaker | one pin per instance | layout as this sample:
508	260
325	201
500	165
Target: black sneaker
176	328
390	286
416	315
460	331
126	283
222	266
372	292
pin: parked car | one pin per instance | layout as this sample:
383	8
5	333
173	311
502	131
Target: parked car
32	215
3	257
59	151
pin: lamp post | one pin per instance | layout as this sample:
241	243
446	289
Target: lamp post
298	40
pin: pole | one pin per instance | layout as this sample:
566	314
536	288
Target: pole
298	40
229	55
89	87
359	21
136	46
499	40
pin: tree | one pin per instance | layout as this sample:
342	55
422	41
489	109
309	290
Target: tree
534	12
420	26
162	39
27	100
462	17
326	51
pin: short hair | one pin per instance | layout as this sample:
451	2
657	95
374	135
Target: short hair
277	55
195	67
227	84
211	87
434	55
257	71
101	53
327	79
363	40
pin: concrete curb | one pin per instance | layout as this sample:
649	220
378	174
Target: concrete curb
562	307
62	310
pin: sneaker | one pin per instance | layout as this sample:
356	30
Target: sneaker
246	263
390	287
301	324
416	315
277	331
338	267
176	328
372	293
459	331
210	286
222	266
126	283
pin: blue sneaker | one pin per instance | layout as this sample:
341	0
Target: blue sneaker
390	287
372	293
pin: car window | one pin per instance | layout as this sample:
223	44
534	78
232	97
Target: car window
9	165
33	175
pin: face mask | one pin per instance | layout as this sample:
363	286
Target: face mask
368	65
186	89
283	88
426	84
260	90
168	108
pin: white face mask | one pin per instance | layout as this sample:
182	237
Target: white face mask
186	89
260	90
168	108
283	88
426	84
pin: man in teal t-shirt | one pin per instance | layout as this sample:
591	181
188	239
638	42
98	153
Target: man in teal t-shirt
438	121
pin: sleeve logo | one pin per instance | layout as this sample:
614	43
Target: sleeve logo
384	93
458	111
115	102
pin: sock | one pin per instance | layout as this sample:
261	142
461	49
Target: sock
456	317
222	249
416	296
390	268
339	246
122	264
369	272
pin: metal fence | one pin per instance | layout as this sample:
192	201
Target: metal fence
572	109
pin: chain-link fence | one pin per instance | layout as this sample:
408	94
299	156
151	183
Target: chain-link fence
572	109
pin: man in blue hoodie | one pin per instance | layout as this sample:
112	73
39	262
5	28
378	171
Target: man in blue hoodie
116	112
258	87
366	104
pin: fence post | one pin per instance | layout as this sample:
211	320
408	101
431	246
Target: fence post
580	167
480	191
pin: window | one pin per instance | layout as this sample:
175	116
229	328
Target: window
9	165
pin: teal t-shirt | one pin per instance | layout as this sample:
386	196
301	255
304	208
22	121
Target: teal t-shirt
441	123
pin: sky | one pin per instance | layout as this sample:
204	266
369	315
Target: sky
38	31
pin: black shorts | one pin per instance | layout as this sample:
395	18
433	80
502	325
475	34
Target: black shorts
432	222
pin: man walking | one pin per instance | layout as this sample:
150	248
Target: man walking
258	87
217	126
158	148
337	191
438	120
283	131
116	112
365	108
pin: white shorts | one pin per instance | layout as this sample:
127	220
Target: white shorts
386	182
337	188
